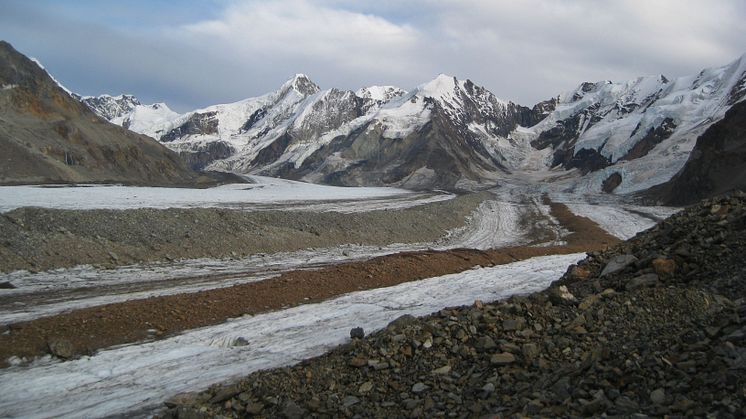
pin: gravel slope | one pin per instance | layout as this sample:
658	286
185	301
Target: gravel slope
42	239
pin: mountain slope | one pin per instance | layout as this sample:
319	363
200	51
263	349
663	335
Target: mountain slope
642	130
49	137
716	165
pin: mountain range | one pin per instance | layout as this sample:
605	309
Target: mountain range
447	133
443	134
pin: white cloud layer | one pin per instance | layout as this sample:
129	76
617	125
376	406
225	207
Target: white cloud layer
524	50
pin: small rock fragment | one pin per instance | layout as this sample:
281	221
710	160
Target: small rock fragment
366	387
589	301
61	348
419	387
293	411
350	401
658	396
357	333
642	281
503	358
664	267
442	370
513	324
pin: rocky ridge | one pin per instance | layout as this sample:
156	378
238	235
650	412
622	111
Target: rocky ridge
47	136
652	326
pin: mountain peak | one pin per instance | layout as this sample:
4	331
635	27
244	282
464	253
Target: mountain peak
301	84
442	84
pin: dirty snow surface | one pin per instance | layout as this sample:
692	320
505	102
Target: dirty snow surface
264	191
135	379
494	224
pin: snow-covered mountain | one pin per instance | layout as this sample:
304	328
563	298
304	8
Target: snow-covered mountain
447	133
444	132
127	111
635	134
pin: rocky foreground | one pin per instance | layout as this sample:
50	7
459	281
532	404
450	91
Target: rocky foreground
654	326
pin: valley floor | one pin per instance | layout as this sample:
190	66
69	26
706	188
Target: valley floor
175	339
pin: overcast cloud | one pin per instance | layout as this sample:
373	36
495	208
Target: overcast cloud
191	54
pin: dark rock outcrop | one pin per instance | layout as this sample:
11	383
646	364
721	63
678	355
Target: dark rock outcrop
198	123
611	182
199	157
654	137
716	165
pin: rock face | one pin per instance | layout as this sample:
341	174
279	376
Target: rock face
661	335
716	165
110	107
47	136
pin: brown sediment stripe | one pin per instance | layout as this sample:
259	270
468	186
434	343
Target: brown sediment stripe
99	327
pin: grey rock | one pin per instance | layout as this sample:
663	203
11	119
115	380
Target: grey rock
561	388
642	281
737	336
365	387
410	404
658	396
350	401
293	411
513	324
618	264
485	343
530	350
534	407
61	348
626	405
240	341
254	408
561	295
419	387
225	393
595	406
503	358
6	285
442	370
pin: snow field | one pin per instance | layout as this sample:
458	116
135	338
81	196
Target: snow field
264	191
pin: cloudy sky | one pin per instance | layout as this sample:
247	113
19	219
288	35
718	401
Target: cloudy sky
194	53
